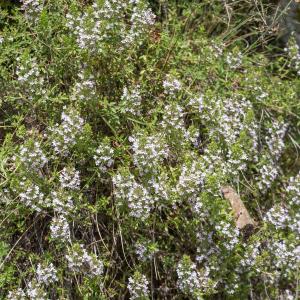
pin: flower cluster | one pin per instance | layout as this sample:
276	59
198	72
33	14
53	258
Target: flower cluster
293	190
141	20
230	234
134	194
138	287
189	281
31	196
148	152
171	86
234	60
65	135
102	22
32	156
46	274
275	137
145	250
191	180
18	294
286	256
131	100
69	179
34	291
104	156
250	256
60	229
230	117
92	27
197	103
30	78
80	261
278	216
60	202
173	121
160	188
294	54
268	172
32	9
85	87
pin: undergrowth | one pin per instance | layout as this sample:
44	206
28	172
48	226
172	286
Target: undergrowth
120	123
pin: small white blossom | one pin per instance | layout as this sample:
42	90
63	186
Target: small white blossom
234	60
173	121
134	195
104	156
275	137
18	294
32	9
278	216
85	87
69	179
60	202
132	100
32	156
30	78
189	281
148	152
35	292
138	287
267	174
79	260
60	229
46	274
171	86
65	135
145	250
32	197
293	51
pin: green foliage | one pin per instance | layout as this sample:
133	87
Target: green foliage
117	134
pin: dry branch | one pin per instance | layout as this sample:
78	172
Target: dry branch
241	214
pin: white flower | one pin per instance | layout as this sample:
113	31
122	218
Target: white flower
104	156
32	9
61	202
275	137
32	156
32	197
46	274
35	292
134	195
65	135
85	87
30	78
138	287
278	216
189	279
132	100
18	294
234	60
267	174
148	152
69	179
60	229
171	86
79	260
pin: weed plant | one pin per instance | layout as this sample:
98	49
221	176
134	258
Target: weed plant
120	123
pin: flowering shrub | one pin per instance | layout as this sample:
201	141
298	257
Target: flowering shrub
121	122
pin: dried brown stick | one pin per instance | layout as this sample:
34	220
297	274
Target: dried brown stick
241	214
